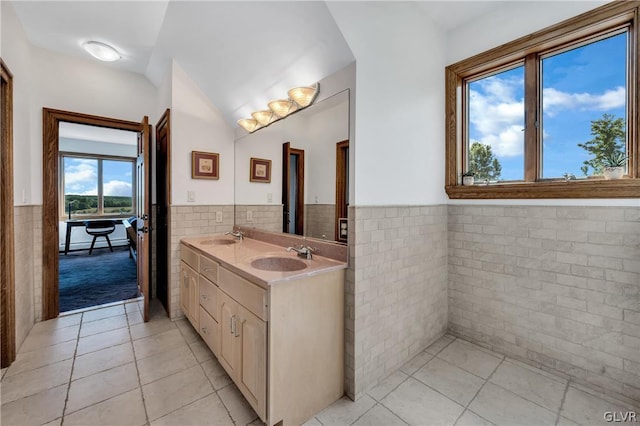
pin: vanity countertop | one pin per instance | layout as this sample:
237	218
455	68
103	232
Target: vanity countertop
238	256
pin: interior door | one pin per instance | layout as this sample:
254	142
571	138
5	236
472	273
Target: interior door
292	200
143	209
163	190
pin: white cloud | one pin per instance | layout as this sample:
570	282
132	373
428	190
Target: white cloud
81	176
555	100
117	187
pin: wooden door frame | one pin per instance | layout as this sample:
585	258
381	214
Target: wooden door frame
287	151
7	253
341	182
165	260
51	119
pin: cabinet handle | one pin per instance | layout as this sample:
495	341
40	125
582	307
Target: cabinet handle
235	328
208	269
231	325
204	330
204	296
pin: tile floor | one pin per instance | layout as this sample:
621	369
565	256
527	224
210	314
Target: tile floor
107	367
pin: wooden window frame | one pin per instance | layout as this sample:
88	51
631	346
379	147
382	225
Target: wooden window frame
100	158
527	49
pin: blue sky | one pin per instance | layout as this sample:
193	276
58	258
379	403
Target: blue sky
81	177
578	86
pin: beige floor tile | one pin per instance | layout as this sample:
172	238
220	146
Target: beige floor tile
104	324
312	422
56	422
158	343
584	408
101	386
440	344
502	407
187	330
3	372
170	393
345	411
36	409
131	307
378	416
35	381
383	388
415	363
471	358
151	328
104	359
97	314
121	410
216	373
563	421
164	364
103	340
206	411
60	322
48	337
469	418
26	361
450	380
530	385
238	407
414	402
134	318
201	351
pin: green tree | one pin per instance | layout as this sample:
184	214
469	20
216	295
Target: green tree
608	138
483	163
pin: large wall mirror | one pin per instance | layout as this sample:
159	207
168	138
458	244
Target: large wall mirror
299	178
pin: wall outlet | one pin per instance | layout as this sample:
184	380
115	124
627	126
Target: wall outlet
218	217
191	196
269	197
249	216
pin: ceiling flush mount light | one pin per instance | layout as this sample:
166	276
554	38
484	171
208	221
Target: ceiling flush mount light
299	98
101	51
249	124
304	96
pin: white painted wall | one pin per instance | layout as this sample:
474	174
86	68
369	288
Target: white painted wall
197	125
399	119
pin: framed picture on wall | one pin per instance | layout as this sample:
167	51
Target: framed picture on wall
260	170
205	165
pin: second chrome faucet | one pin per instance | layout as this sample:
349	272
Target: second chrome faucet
303	251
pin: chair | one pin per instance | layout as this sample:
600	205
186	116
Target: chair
99	228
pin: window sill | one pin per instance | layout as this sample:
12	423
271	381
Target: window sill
623	188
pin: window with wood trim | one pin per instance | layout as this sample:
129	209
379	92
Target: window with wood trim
548	115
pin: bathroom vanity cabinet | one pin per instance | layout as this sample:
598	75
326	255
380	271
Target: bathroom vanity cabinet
279	335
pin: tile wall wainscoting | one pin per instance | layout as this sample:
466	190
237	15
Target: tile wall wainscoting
396	289
319	221
28	264
556	287
266	218
188	221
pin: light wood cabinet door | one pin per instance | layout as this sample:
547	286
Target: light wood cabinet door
194	298
252	362
189	293
228	355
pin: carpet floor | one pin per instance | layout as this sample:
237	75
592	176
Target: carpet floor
103	277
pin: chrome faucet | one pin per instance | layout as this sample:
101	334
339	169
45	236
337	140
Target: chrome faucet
303	251
239	234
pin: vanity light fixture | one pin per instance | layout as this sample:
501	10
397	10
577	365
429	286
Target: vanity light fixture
265	117
249	124
304	96
282	108
101	51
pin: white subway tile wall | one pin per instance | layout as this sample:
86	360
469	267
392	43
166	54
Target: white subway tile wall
396	289
556	287
319	221
264	217
28	268
187	221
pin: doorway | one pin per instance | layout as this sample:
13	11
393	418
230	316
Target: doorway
7	256
51	201
292	189
163	200
342	190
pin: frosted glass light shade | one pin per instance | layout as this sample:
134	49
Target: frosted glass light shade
304	95
282	108
101	51
264	117
249	124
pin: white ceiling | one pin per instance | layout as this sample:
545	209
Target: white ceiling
241	54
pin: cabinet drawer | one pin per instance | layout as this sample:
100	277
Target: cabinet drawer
189	256
209	297
209	269
210	331
244	292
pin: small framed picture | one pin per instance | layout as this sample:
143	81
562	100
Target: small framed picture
205	165
260	170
